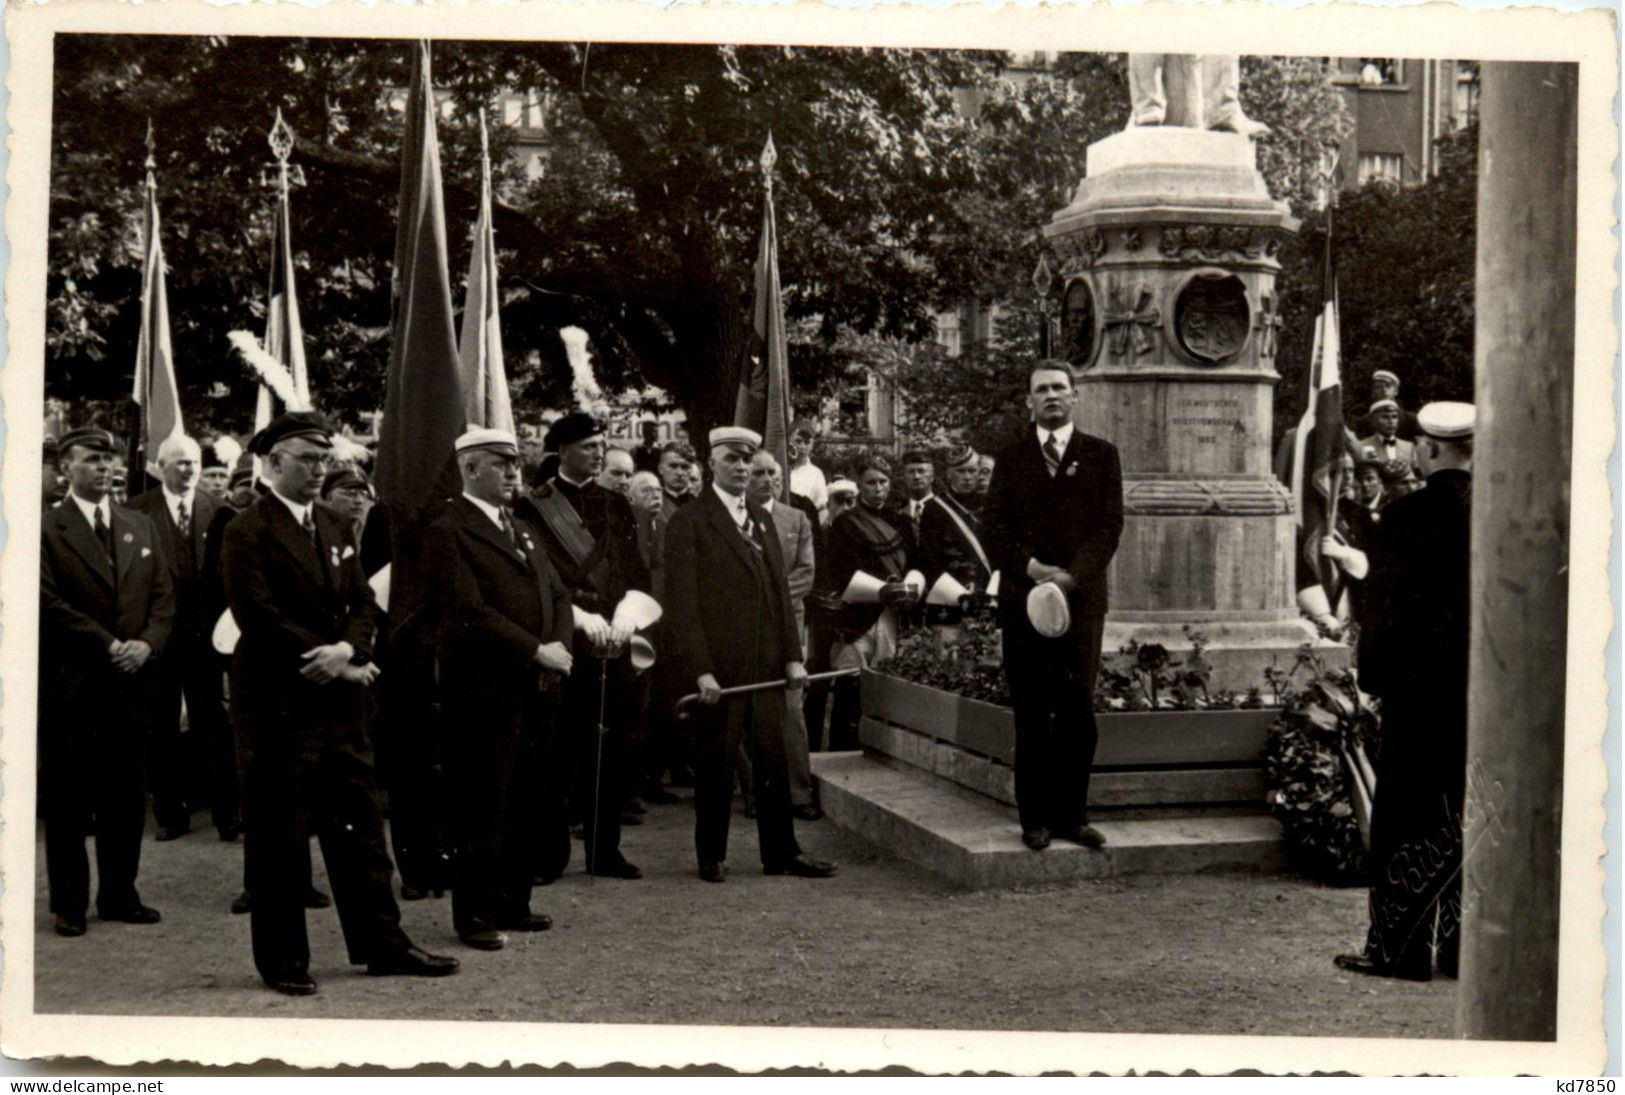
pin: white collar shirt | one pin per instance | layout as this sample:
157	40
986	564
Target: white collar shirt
1062	435
301	512
175	501
90	509
486	508
735	505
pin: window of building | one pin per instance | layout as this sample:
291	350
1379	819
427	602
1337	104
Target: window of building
511	106
1465	105
536	113
1381	71
1388	166
949	335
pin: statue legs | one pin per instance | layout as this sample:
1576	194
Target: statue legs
1195	91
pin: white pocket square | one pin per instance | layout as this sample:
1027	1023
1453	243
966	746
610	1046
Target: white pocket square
348	551
145	552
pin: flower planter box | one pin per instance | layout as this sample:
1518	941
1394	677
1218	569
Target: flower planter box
1134	739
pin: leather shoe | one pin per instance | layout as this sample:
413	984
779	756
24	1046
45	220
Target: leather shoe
1036	839
487	939
803	866
808	813
316	899
713	872
617	868
241	904
134	914
1364	963
1087	835
529	922
172	832
299	984
414	962
70	926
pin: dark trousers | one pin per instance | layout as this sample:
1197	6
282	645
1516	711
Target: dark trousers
756	724
92	783
200	763
409	738
1415	858
599	759
294	790
495	778
1052	685
820	637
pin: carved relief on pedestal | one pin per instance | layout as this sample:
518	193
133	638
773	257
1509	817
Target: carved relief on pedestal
1131	320
1268	325
1080	325
1198	498
1211	317
1218	243
1079	250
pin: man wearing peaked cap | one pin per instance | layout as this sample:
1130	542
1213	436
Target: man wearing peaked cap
504	648
590	537
293	579
732	622
1385	385
1414	656
1384	442
950	528
106	610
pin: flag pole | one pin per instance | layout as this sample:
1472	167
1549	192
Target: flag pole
141	395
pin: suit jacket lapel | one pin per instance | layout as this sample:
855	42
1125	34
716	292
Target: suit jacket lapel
724	522
479	525
82	538
294	538
202	513
124	541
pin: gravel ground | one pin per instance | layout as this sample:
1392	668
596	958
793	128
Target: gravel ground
885	944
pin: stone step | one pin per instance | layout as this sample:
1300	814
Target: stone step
1142	791
979	847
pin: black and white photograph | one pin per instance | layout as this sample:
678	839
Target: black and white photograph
804	542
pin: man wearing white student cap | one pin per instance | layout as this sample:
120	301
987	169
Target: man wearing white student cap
504	647
729	610
1415	658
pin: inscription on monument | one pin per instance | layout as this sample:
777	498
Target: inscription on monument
1210	416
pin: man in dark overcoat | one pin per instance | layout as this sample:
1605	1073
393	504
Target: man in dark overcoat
504	648
294	582
729	613
202	759
950	528
106	609
591	539
1414	657
1054	515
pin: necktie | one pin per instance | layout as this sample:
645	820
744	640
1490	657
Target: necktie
105	535
309	526
1052	454
507	527
183	519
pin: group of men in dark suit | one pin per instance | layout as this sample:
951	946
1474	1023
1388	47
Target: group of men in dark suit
517	607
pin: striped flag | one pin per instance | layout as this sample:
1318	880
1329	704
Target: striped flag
1319	446
284	334
485	381
155	393
764	390
423	398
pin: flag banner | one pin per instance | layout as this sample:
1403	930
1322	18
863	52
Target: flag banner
484	379
155	392
284	334
1319	448
763	403
423	398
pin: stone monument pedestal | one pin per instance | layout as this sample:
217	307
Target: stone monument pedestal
1169	319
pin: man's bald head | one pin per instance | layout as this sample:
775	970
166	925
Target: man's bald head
180	458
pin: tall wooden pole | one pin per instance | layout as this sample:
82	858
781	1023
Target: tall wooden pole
1520	540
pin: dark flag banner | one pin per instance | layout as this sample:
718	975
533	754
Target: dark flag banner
423	398
484	378
157	398
764	389
1319	446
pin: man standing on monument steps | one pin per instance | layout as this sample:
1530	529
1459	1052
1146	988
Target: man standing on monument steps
1054	516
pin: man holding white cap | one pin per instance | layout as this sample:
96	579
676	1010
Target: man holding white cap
1054	516
1415	658
504	646
732	622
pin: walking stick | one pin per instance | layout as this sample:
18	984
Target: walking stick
681	709
598	765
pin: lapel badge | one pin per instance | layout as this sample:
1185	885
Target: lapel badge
348	551
129	539
1072	469
334	554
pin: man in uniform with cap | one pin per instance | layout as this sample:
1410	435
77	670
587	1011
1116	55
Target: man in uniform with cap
1415	658
106	609
183	764
730	614
504	646
950	530
591	538
1054	516
293	579
1385	385
1384	443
